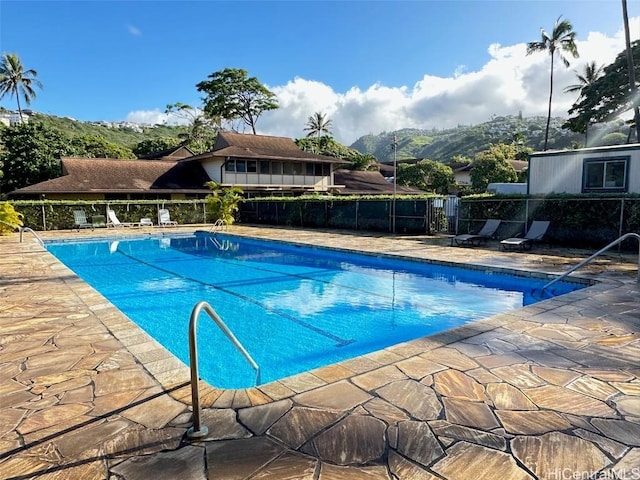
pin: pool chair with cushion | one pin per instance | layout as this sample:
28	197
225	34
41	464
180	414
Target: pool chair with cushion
80	220
536	233
116	223
474	239
164	218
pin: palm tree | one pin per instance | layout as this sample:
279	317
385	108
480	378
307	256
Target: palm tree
562	38
592	72
16	81
318	124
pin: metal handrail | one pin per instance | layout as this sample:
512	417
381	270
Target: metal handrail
23	229
197	430
602	250
219	224
27	229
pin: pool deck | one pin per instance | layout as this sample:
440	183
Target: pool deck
548	391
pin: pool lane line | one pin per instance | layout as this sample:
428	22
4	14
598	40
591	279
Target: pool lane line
341	342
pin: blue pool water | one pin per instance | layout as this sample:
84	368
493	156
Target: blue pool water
293	308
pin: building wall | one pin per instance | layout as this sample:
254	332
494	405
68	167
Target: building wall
215	170
562	172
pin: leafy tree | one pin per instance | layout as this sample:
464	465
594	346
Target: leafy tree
562	38
608	96
427	175
615	138
329	147
155	145
96	146
222	203
231	95
492	165
17	81
31	154
317	124
592	71
633	87
201	132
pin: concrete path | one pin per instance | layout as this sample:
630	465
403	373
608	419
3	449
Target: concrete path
549	391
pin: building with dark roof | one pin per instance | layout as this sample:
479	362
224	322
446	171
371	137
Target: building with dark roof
255	163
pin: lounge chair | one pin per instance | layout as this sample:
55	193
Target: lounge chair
116	223
164	218
536	232
80	220
474	239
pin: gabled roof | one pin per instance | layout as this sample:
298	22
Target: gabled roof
240	145
100	175
368	182
173	153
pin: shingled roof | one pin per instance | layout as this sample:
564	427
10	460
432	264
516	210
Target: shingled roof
240	145
100	175
358	182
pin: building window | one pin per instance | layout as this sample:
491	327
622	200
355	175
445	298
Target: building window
230	166
276	168
264	166
605	174
252	166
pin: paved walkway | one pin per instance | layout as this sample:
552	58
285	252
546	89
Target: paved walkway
549	391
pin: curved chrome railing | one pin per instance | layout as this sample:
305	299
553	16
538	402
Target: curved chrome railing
197	430
599	252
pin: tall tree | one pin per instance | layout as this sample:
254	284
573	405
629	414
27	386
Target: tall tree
592	72
633	88
17	81
608	96
201	130
317	124
562	39
232	95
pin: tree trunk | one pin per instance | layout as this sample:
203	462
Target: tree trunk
632	80
546	133
19	109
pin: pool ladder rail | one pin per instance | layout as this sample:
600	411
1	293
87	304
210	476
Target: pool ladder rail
198	430
219	225
598	253
22	230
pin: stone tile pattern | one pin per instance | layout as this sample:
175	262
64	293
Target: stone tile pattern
541	392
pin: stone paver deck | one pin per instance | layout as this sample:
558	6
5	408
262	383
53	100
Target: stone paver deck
548	391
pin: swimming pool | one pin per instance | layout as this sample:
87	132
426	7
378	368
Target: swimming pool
294	308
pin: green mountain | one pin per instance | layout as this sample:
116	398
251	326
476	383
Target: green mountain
443	145
126	135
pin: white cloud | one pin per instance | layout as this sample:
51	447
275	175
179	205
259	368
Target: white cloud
511	81
153	117
135	31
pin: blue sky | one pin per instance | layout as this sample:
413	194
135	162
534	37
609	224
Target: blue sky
371	66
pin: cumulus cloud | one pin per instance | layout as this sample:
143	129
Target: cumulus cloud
510	82
155	117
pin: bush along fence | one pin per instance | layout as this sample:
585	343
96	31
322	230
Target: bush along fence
58	215
412	215
576	221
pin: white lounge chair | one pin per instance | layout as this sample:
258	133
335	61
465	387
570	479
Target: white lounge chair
80	220
536	232
116	223
474	239
164	218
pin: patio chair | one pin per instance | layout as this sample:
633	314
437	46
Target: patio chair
164	218
116	223
536	232
80	220
474	239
